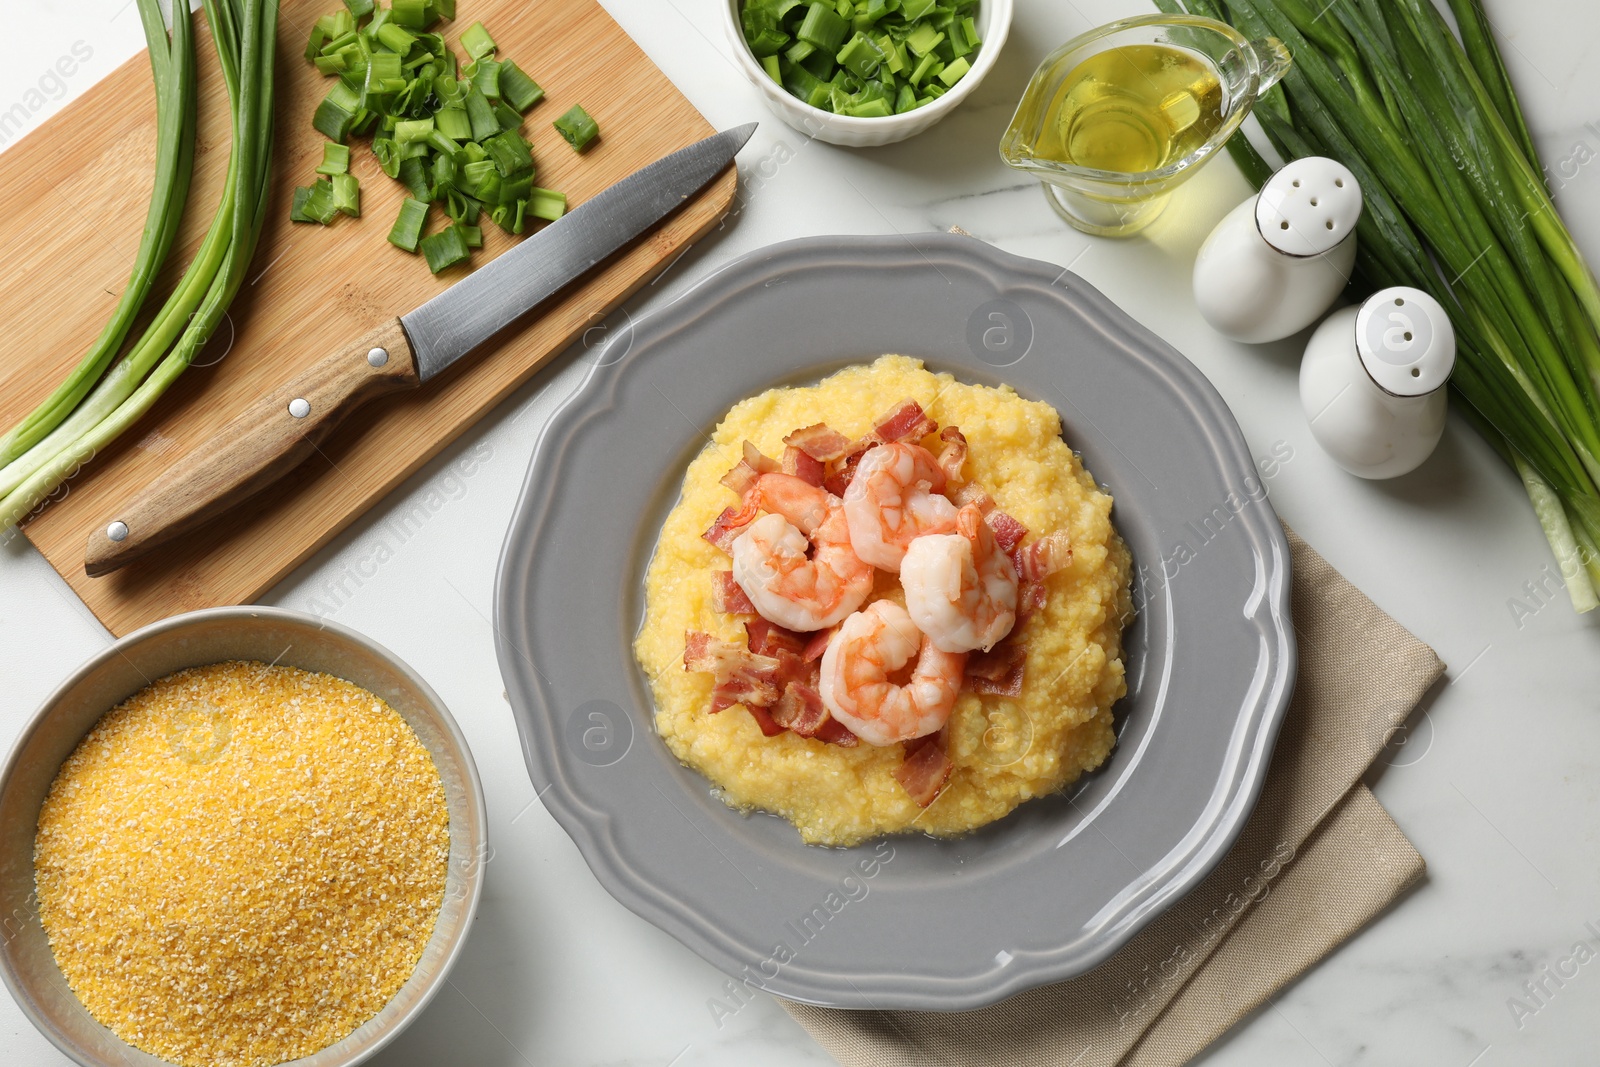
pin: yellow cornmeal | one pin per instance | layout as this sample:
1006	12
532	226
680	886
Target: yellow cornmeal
1006	750
241	863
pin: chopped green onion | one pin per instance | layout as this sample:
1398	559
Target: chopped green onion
323	204
297	206
414	176
516	88
445	249
443	144
413	14
510	153
408	227
395	38
514	189
446	132
480	113
577	128
408	130
768	42
347	194
822	27
337	112
486	78
928	64
893	54
335	159
953	71
388	155
924	39
859	57
547	204
509	117
453	123
476	40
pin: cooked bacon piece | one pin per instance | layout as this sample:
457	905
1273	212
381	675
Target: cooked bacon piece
1007	531
953	456
837	482
820	442
726	596
818	644
1030	598
972	493
997	672
768	638
748	469
697	651
835	732
1044	557
742	677
925	769
792	668
906	420
768	724
800	709
751	686
729	525
805	467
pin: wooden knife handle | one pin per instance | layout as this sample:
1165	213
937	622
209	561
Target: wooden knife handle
261	445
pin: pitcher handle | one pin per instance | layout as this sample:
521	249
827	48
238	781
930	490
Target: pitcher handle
1272	60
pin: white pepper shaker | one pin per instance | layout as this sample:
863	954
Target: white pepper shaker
1372	382
1276	262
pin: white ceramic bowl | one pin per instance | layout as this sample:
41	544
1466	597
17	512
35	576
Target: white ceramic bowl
993	22
210	636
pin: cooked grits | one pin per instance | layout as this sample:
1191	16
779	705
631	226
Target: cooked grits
1005	750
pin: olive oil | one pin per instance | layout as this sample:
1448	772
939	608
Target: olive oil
1130	109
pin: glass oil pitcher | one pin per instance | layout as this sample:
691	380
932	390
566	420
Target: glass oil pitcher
1115	120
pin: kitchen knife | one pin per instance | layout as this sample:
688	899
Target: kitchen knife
278	432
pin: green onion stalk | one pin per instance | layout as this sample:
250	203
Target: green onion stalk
244	32
172	63
1455	206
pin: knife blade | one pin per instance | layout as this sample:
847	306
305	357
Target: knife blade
280	431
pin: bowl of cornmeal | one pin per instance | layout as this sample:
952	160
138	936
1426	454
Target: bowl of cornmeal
239	837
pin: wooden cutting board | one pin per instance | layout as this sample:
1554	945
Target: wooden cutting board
80	186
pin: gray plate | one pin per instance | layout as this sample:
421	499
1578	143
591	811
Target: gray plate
908	922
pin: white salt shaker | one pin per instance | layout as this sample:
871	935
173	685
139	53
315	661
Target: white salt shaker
1275	263
1372	382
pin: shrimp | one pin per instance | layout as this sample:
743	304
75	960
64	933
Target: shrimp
795	563
857	668
961	590
896	495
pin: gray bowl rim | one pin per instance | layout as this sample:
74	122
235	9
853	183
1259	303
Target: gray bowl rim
629	879
178	622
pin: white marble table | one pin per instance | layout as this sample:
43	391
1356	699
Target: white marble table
1498	785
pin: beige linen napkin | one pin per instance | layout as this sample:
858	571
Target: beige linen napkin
1317	860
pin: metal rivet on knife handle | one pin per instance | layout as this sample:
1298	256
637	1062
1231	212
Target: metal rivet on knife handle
378	357
299	407
117	531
